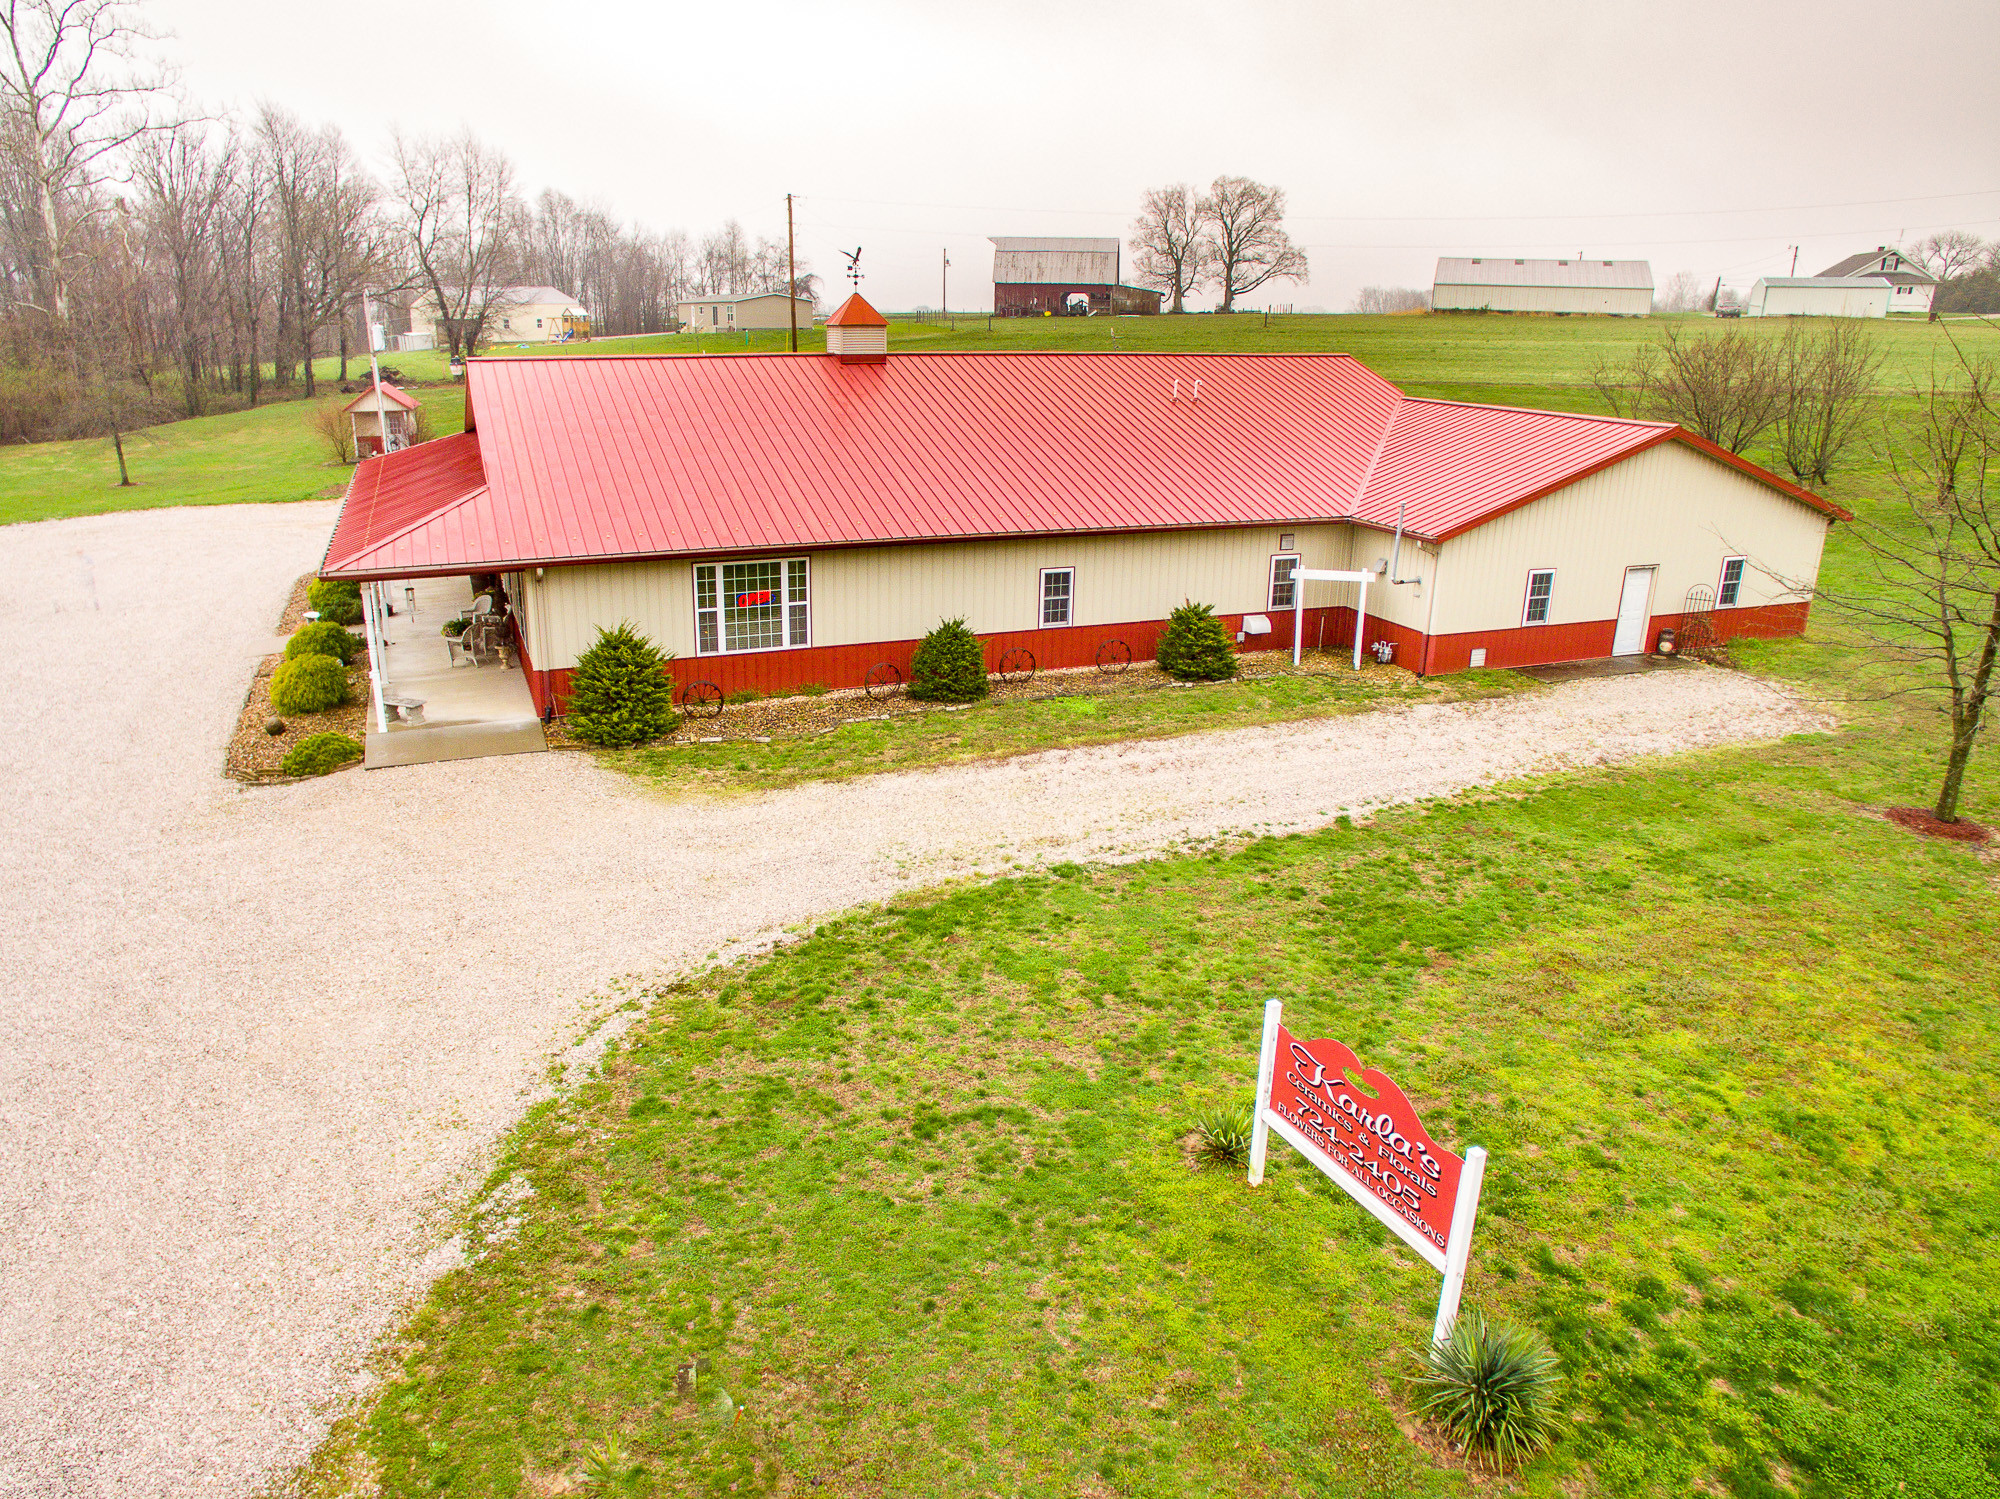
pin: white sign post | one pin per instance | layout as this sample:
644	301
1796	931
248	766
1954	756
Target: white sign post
1304	575
1368	1141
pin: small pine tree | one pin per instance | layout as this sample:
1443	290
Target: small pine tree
950	666
1196	647
621	694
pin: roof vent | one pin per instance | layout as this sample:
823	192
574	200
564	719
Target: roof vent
1520	262
857	333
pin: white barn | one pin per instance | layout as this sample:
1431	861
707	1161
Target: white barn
1487	283
1819	296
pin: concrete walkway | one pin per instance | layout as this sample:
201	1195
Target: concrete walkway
256	1042
470	711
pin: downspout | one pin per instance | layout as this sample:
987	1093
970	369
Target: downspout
1430	614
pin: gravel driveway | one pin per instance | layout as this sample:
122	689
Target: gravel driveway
253	1041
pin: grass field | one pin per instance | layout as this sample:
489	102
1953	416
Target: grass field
272	453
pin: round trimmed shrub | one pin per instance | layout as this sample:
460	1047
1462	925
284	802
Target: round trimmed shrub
320	753
1494	1388
309	684
950	666
336	600
621	694
322	638
1196	646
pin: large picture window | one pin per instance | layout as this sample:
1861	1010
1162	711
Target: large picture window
1284	586
1058	594
765	605
1541	589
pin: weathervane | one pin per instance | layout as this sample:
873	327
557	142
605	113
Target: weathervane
854	267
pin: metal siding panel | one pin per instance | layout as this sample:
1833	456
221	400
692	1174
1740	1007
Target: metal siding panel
1668	506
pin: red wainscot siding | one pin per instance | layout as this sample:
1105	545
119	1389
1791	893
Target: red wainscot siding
778	673
1543	645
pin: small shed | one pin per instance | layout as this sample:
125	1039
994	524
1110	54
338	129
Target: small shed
366	415
1819	296
1502	283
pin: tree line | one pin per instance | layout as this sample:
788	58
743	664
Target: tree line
159	261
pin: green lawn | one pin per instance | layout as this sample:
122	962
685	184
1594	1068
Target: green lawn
272	454
915	1195
1076	710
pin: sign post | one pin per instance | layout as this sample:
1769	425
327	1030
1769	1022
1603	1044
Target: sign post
1366	1138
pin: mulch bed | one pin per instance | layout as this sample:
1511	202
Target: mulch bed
801	717
255	756
1919	820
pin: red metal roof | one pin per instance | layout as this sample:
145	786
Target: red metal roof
583	459
856	313
395	394
390	494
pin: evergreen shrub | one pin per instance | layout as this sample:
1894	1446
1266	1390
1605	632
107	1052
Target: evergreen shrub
1494	1388
1196	646
950	666
1225	1133
309	684
322	638
320	753
336	600
621	694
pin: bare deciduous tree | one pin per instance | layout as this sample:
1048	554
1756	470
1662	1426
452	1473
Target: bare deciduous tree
73	95
1949	252
323	213
1827	375
1387	299
185	182
1245	228
1724	385
1684	292
1934	606
460	227
1173	249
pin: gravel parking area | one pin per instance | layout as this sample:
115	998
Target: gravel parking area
218	1183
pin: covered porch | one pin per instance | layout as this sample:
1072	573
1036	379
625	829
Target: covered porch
428	699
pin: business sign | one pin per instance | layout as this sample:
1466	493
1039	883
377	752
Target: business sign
1357	1127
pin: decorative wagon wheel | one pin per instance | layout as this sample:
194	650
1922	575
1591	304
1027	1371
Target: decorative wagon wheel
884	680
1113	657
1018	665
701	700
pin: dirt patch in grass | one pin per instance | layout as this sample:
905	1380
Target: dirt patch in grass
256	756
1919	820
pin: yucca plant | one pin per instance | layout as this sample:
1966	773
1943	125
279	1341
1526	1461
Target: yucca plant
604	1463
1492	1387
1224	1132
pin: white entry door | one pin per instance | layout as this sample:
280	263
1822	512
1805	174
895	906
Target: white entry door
1634	610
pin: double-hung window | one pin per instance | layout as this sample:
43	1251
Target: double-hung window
1541	588
1731	588
1284	586
1058	595
765	605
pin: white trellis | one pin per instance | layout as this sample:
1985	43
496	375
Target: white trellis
1304	575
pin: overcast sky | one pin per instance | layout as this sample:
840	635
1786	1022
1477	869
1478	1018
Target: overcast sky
1705	135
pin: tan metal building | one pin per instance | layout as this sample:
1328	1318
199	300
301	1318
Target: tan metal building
764	309
1489	283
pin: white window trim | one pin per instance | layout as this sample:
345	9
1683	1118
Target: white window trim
1042	599
1528	596
784	577
1271	580
1722	578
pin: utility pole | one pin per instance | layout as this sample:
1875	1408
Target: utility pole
791	273
1795	261
944	283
